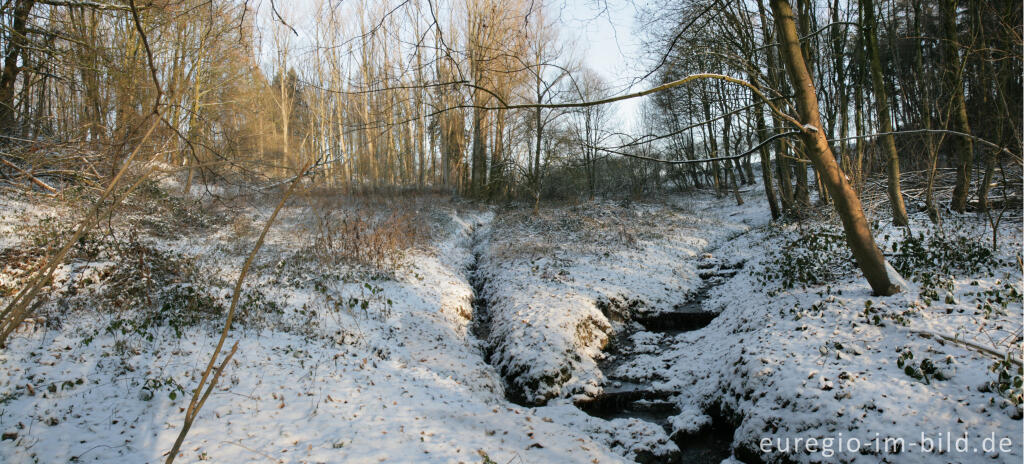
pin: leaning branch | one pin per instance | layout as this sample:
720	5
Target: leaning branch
999	148
200	395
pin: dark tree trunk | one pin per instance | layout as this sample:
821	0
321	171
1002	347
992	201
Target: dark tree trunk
963	147
899	210
9	74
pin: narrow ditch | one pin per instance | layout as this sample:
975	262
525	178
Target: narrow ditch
626	397
480	326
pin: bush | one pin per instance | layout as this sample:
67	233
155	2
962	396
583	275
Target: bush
818	257
814	257
941	253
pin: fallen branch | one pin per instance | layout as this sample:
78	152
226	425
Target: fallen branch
967	344
34	179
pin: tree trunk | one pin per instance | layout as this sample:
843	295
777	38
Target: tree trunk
494	187
9	75
731	172
899	210
478	180
858	233
963	147
766	172
803	192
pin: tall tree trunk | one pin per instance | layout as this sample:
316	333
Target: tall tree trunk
858	233
733	170
766	171
495	185
709	136
9	75
990	99
926	119
963	147
858	124
478	178
899	210
782	145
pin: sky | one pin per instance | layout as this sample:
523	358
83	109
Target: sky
610	44
603	32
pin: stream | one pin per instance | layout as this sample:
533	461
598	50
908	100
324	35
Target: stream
625	397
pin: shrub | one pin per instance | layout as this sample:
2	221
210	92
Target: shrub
817	257
813	257
940	253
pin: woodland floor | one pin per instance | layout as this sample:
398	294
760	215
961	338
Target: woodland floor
686	327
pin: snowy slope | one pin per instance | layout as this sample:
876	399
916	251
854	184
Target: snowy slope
402	382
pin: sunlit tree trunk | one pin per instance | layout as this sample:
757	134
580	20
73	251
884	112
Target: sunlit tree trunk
858	232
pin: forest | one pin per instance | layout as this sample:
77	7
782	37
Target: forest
779	231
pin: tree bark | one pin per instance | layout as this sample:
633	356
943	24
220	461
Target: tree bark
858	233
478	179
766	171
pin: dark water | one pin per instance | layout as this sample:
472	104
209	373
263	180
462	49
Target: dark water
634	398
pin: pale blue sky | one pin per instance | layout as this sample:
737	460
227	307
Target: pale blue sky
602	30
610	45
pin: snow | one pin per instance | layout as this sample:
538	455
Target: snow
409	386
547	276
409	381
832	373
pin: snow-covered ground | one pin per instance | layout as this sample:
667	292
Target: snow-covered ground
340	364
815	364
549	276
402	381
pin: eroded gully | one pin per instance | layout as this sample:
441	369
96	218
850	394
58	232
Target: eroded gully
626	397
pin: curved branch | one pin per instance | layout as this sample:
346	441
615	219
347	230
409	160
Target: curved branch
705	160
660	88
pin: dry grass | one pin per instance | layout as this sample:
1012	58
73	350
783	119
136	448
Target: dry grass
591	228
371	231
365	237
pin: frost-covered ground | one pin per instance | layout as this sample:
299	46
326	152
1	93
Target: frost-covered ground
337	363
